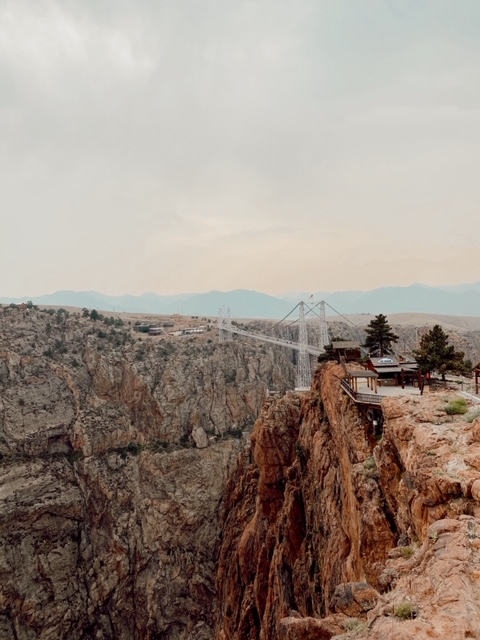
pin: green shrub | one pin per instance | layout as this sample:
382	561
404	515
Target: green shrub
234	432
369	463
354	624
456	407
406	552
75	456
184	440
472	415
405	611
134	448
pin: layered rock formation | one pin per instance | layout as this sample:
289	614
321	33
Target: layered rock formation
330	532
133	503
114	457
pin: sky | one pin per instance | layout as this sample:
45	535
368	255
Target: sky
182	146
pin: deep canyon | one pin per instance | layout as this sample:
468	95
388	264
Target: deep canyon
152	488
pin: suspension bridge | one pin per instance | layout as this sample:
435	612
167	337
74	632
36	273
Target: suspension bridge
304	372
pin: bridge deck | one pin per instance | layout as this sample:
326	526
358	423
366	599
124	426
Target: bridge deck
314	351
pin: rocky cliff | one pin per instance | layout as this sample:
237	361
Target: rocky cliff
134	503
115	453
333	532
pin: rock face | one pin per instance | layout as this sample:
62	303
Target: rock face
330	532
114	458
133	503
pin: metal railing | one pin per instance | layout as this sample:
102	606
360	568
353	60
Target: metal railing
362	398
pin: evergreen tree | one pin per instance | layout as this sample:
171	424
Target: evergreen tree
436	354
380	336
327	354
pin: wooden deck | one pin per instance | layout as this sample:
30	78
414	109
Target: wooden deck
361	398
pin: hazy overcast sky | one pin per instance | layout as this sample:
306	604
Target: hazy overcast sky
187	145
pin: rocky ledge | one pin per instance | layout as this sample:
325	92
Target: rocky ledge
333	533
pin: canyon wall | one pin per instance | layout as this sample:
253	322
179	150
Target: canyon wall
333	530
135	504
114	454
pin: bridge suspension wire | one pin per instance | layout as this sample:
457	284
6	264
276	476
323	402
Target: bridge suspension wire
224	322
357	331
305	350
288	314
341	315
323	338
304	373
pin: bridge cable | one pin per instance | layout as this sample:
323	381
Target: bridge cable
288	314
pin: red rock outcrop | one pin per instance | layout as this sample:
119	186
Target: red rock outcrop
326	526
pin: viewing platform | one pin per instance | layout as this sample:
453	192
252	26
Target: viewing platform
364	387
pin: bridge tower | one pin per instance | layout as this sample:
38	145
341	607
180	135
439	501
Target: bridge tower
224	319
304	373
323	338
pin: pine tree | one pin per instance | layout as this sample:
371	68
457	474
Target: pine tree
436	354
380	336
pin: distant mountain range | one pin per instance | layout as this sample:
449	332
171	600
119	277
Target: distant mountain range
459	300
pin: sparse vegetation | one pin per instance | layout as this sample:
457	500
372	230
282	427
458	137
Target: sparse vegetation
370	464
184	440
405	611
75	456
158	445
134	448
472	415
406	552
234	432
60	347
353	625
230	376
456	407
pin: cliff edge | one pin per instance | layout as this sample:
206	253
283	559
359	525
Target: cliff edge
333	532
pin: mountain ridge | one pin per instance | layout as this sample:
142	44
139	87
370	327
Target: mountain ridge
460	300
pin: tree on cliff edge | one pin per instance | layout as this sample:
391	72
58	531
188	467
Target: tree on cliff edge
380	336
436	354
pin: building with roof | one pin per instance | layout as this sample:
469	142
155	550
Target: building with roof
393	371
346	351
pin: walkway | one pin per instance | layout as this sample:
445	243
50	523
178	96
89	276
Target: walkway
365	395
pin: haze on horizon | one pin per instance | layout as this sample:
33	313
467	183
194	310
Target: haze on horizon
174	146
